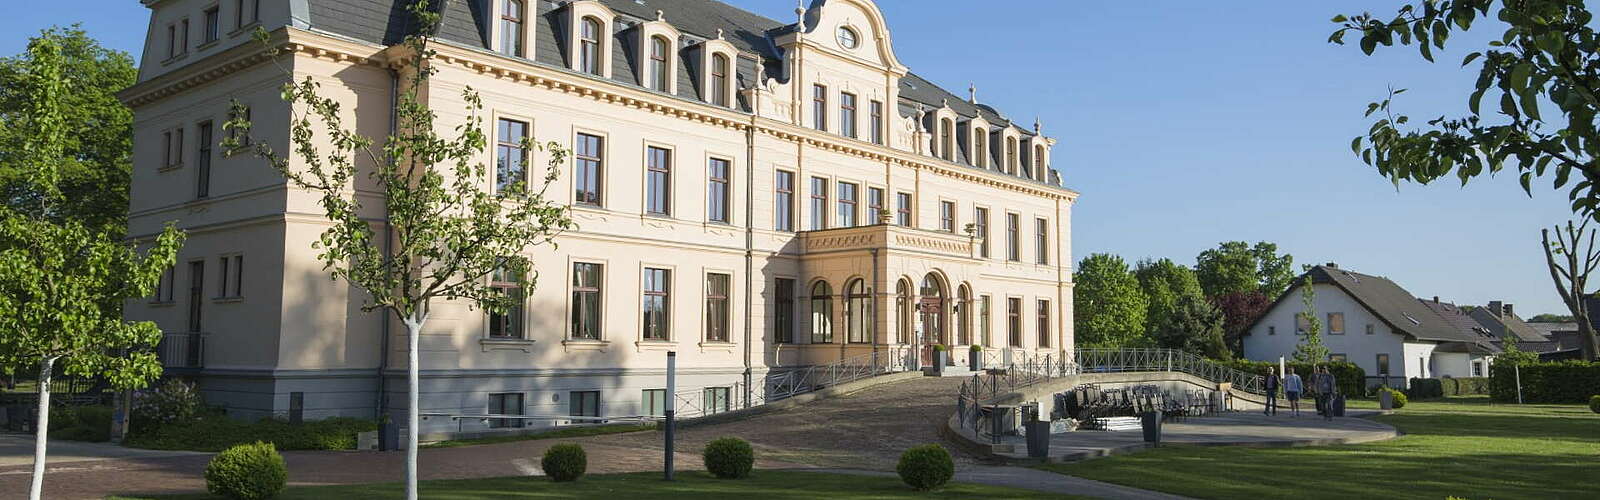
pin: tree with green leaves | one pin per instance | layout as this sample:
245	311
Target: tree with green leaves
97	147
452	227
1194	325
62	281
1513	355
1108	306
1548	55
1166	286
1309	327
1236	266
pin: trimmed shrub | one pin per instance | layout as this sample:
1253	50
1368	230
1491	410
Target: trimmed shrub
729	458
926	467
1398	397
247	472
1351	379
1425	388
174	403
1566	382
565	462
81	423
1465	386
1594	404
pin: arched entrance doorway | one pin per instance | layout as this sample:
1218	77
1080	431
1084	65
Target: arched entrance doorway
932	321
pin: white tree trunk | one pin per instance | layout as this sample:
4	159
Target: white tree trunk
413	331
41	429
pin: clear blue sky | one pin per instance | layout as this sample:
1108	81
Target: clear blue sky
1186	123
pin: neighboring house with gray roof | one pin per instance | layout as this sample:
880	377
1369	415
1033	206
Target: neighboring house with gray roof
1373	322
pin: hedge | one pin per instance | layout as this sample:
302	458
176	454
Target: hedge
1560	382
1425	388
1465	386
1352	380
217	433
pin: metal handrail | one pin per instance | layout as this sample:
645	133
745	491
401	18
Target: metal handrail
891	359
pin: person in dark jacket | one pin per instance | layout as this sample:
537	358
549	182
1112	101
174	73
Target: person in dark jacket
1272	392
1325	385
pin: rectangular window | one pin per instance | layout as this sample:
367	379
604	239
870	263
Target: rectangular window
511	13
875	205
819	106
847	114
657	282
903	209
653	402
1383	364
589	46
172	41
177	146
166	149
165	287
1272	330
783	311
231	285
717	312
877	122
1014	322
238	13
1044	324
719	80
783	201
213	25
183	36
590	165
1302	324
984	325
1336	323
717	190
947	216
1338	357
511	154
980	222
587	280
658	181
819	203
716	400
197	283
584	404
847	204
239	134
1370	329
1477	368
202	162
507	324
505	404
1041	245
1013	238
659	76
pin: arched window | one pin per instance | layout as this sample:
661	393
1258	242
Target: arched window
1038	161
944	139
821	313
511	13
980	152
933	323
658	63
589	46
857	312
902	311
1011	155
719	80
964	316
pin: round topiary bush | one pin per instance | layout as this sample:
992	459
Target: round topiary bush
926	467
1398	397
565	462
247	472
729	458
1594	404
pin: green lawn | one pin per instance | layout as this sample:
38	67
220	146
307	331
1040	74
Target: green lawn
1465	447
765	485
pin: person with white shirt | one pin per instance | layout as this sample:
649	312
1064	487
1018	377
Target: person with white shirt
1292	388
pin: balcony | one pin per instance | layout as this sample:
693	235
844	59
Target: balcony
888	237
182	351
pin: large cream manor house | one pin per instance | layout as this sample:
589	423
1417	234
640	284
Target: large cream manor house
757	196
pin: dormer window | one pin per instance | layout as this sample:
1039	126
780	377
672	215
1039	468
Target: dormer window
946	142
719	80
512	13
589	46
660	76
1038	161
1011	155
980	150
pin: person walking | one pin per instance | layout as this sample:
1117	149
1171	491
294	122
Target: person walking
1272	392
1292	388
1325	386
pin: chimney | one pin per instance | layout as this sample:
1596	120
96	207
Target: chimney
1508	311
1332	265
1495	308
1436	299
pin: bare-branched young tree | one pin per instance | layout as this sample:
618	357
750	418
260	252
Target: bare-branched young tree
1571	257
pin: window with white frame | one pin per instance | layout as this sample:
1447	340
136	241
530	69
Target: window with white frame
717	307
508	403
587	281
847	204
719	80
588	169
507	324
590	32
819	203
658	181
819	106
1041	234
660	72
584	404
947	216
717	190
653	402
511	153
821	313
903	214
847	114
783	201
655	302
980	226
877	122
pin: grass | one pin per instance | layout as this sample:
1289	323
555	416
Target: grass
571	432
1465	447
766	485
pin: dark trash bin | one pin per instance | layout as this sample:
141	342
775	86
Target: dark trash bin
1152	426
1338	405
1038	438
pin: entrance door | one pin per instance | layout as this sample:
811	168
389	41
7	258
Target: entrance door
931	312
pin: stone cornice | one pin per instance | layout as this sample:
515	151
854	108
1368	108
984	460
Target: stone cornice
245	56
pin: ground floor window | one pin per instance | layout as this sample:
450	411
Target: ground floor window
716	399
1477	368
509	403
584	404
654	402
1383	364
1338	358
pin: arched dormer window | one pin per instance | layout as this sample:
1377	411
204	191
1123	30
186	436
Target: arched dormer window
660	72
1038	161
946	139
719	80
512	22
1011	155
589	35
980	148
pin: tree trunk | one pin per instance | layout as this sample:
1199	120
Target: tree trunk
41	428
413	331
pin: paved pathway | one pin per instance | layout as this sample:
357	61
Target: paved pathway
1240	428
